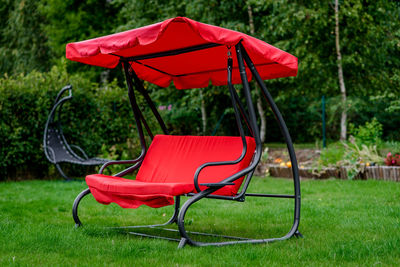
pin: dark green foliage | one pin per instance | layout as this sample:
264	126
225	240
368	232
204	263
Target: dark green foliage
94	117
71	21
371	60
23	43
370	133
303	117
33	35
24	104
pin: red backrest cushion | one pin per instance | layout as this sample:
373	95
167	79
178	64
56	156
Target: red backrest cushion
175	159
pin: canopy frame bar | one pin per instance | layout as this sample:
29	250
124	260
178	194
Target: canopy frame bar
286	135
173	52
139	86
191	73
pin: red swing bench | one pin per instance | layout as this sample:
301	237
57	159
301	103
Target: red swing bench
218	167
168	170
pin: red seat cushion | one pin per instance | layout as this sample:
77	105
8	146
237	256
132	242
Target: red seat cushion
168	170
132	193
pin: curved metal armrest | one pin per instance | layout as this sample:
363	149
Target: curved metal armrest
138	161
80	150
208	164
217	184
115	162
242	135
226	181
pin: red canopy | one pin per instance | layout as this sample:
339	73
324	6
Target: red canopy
197	53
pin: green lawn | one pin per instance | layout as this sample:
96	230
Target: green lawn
344	223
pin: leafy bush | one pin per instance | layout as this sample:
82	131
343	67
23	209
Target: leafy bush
331	155
182	120
92	118
363	154
24	104
369	133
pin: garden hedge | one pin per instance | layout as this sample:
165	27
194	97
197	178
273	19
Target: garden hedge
97	119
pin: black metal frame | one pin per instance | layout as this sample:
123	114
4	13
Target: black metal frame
55	146
250	120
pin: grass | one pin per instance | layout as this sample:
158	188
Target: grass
345	223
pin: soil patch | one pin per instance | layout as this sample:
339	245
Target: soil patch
304	157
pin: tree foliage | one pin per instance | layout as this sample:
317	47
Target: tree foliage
23	43
33	35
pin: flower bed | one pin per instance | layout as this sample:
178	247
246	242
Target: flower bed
387	173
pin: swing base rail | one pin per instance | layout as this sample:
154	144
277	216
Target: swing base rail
179	220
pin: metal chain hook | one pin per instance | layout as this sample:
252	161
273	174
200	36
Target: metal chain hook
229	53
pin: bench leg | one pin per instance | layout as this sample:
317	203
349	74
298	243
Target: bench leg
76	204
174	217
182	243
185	239
298	234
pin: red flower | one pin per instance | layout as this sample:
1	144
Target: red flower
392	160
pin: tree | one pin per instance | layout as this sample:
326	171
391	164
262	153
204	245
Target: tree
23	44
343	117
72	21
260	109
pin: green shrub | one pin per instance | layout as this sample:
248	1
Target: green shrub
92	118
331	155
24	104
369	133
